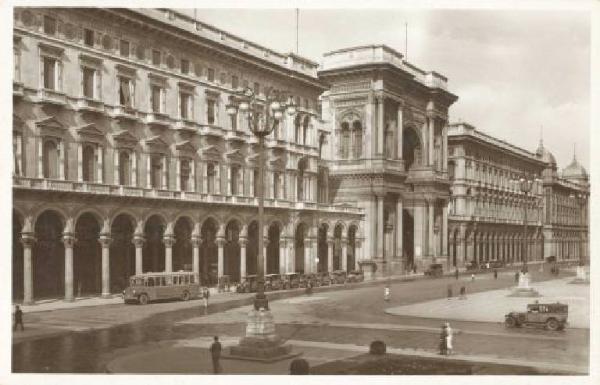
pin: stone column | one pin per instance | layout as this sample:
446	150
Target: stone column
148	170
40	159
169	241
265	247
345	254
380	251
220	263
138	241
445	148
164	173
460	247
470	248
445	229
196	256
69	241
430	234
330	254
61	159
399	228
431	131
243	241
28	240
100	170
178	175
400	132
283	255
134	181
105	241
380	123
308	257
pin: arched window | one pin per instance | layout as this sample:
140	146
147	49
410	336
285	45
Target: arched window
297	129
411	148
276	181
234	179
210	178
50	159
357	139
184	174
88	163
345	141
300	180
305	130
124	168
156	171
451	167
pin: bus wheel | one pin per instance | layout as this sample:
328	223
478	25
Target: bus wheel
185	296
143	299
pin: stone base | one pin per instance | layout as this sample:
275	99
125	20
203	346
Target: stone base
524	292
261	349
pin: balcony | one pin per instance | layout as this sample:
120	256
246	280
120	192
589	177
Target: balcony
90	105
52	97
18	89
212	130
125	113
91	188
158	120
235	136
186	125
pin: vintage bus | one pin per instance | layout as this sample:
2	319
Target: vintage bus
147	287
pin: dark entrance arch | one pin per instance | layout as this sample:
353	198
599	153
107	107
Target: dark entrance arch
182	249
408	238
232	251
252	248
337	248
411	148
322	249
209	252
154	248
299	251
273	249
49	257
87	257
17	257
351	248
122	252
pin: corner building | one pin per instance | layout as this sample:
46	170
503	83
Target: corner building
126	161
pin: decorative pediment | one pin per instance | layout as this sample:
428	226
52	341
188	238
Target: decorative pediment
125	139
18	123
211	152
90	132
185	148
156	143
50	126
235	156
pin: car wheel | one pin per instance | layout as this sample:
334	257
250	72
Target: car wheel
552	324
510	322
143	299
185	296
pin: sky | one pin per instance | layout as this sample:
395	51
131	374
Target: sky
519	74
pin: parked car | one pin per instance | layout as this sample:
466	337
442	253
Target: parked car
551	315
290	280
310	277
249	284
496	264
273	282
472	266
435	270
338	276
356	276
324	279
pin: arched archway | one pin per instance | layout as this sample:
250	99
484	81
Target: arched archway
209	252
17	257
322	248
122	252
182	249
299	251
232	251
352	247
154	247
49	259
87	257
411	148
337	247
273	249
408	238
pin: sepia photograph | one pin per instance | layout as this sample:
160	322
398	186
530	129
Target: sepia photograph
331	189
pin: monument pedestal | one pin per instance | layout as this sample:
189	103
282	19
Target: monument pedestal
261	343
581	276
523	289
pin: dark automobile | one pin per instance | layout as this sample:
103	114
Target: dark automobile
435	270
472	266
338	276
248	285
356	276
551	315
290	280
496	264
273	282
310	277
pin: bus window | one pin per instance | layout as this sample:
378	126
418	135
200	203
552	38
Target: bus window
186	279
149	281
162	281
192	279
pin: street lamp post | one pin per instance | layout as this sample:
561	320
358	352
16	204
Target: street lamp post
261	340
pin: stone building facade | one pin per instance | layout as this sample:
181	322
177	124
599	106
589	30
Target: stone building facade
486	206
126	161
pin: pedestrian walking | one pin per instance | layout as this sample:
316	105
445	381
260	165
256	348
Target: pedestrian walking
215	352
309	287
449	336
456	274
443	340
495	274
205	295
387	294
449	291
516	277
18	318
463	292
472	276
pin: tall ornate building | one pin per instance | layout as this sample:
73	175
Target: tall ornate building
388	141
486	208
126	160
